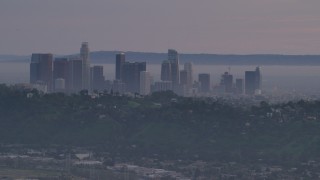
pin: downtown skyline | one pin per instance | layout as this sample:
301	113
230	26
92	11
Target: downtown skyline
219	27
74	74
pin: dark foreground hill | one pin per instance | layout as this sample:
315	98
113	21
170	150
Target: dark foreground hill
163	126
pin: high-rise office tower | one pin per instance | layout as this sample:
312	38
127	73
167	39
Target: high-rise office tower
75	75
204	80
131	75
145	83
97	78
189	68
258	78
173	58
227	82
84	54
60	70
239	86
253	81
120	61
250	80
184	83
41	70
166	71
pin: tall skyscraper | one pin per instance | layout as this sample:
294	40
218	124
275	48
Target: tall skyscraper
131	75
253	81
97	78
227	82
173	58
145	83
60	70
258	78
204	80
85	57
250	78
189	68
166	71
41	70
184	83
75	75
120	61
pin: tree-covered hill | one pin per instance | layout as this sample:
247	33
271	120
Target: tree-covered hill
162	125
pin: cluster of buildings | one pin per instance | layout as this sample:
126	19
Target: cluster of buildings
182	82
251	85
73	74
64	74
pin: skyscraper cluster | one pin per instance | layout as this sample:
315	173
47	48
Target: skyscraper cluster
183	84
41	70
136	79
73	74
69	75
181	81
251	85
129	73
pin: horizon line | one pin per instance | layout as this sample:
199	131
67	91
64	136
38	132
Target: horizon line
180	53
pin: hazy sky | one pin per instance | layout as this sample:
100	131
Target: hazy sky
190	26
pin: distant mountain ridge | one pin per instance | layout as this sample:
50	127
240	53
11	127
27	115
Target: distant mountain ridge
13	58
212	59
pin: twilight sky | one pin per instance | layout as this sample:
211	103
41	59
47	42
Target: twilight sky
190	26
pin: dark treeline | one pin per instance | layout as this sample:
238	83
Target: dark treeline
162	125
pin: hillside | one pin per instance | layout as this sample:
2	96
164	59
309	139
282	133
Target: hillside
205	129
